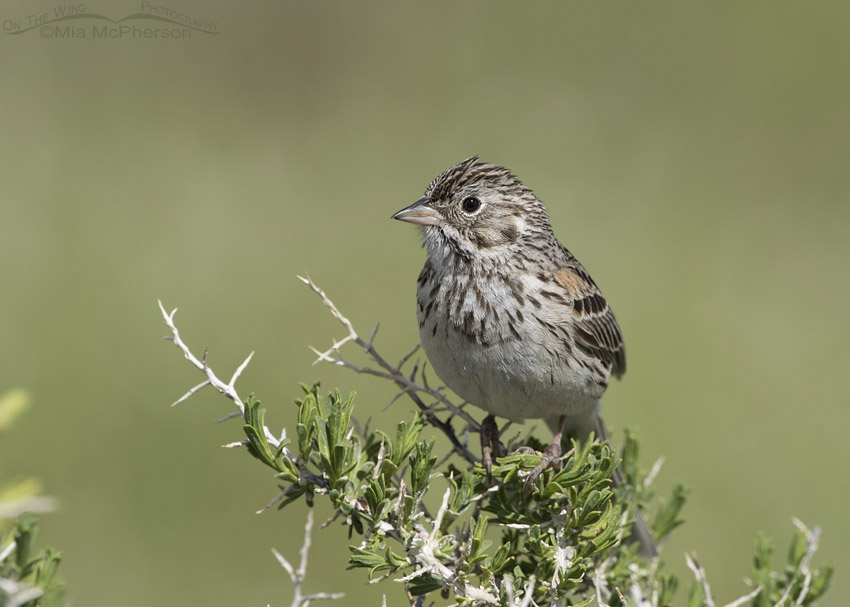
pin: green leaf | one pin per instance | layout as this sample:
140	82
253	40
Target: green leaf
307	413
501	559
477	543
821	580
38	571
667	518
365	558
421	464
258	444
376	497
406	438
24	533
375	562
797	550
423	584
629	454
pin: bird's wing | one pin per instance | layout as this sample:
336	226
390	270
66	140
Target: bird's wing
596	329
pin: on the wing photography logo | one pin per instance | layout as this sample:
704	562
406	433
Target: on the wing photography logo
77	22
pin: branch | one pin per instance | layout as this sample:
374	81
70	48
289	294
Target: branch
699	573
228	389
297	575
745	599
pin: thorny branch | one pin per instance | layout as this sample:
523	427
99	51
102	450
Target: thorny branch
228	389
297	575
699	574
708	600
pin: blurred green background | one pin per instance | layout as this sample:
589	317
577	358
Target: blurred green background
693	156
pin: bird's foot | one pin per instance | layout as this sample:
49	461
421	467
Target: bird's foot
551	456
551	459
490	445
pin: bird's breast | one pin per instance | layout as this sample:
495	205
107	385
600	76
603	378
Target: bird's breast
491	340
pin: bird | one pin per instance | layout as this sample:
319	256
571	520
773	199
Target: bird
509	319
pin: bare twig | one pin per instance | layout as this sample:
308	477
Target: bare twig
699	573
275	500
744	599
228	417
297	575
228	389
527	595
8	550
191	391
653	472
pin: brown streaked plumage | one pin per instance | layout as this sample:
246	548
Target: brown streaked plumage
509	318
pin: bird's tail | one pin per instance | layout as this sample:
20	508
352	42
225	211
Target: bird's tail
640	530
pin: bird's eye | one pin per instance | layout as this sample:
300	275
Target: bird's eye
470	204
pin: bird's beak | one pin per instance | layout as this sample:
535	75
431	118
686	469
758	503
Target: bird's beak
421	213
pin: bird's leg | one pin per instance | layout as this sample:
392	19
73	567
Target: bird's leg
551	454
489	443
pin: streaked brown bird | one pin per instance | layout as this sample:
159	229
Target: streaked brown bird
508	317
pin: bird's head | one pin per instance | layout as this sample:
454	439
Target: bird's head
476	210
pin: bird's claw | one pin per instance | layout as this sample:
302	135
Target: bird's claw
551	459
490	445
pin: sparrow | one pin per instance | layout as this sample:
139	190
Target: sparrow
509	319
